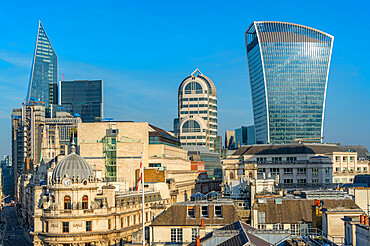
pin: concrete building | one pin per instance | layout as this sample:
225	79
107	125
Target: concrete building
115	150
183	222
197	111
346	166
295	165
363	234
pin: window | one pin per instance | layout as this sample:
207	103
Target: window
291	159
344	158
315	181
276	159
337	159
261	227
337	169
327	171
365	169
67	202
336	180
274	171
301	171
261	218
190	126
128	221
191	211
204	211
194	234
88	225
261	159
288	170
85	201
301	181
278	227
358	169
344	169
351	159
288	181
176	235
109	224
193	88
122	222
134	220
261	170
218	211
155	164
65	226
295	229
46	226
315	171
344	180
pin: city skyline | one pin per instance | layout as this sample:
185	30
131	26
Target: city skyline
140	71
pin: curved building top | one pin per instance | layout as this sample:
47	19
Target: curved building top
197	75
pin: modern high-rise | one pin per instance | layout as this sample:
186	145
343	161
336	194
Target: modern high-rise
43	85
83	97
197	111
288	71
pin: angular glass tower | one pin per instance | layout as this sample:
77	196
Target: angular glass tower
43	84
288	71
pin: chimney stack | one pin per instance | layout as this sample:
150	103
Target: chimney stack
365	220
198	241
202	223
361	218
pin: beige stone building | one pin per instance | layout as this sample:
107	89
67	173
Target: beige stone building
75	208
346	166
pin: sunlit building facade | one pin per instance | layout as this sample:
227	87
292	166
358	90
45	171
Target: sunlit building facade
197	111
43	85
288	70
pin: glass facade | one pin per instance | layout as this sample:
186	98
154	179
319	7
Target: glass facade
43	85
83	97
288	70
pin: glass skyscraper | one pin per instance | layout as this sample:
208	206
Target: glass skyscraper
43	85
83	97
288	71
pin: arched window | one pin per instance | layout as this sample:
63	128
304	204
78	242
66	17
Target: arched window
193	88
190	126
67	202
85	201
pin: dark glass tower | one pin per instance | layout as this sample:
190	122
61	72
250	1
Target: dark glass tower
43	84
288	71
83	97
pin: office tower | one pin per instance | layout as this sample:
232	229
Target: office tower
43	85
197	111
288	70
244	136
83	97
33	120
229	139
17	146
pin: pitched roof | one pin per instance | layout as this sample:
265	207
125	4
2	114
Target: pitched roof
243	236
292	211
177	214
280	149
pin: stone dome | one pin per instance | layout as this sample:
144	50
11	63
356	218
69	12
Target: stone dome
74	166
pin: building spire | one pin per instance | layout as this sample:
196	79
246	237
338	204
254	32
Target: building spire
73	145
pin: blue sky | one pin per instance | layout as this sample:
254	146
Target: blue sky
144	49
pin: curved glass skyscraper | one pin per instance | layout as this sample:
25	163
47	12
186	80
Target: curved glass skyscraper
288	71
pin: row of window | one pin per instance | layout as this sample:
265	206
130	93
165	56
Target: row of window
351	169
275	171
344	158
204	211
